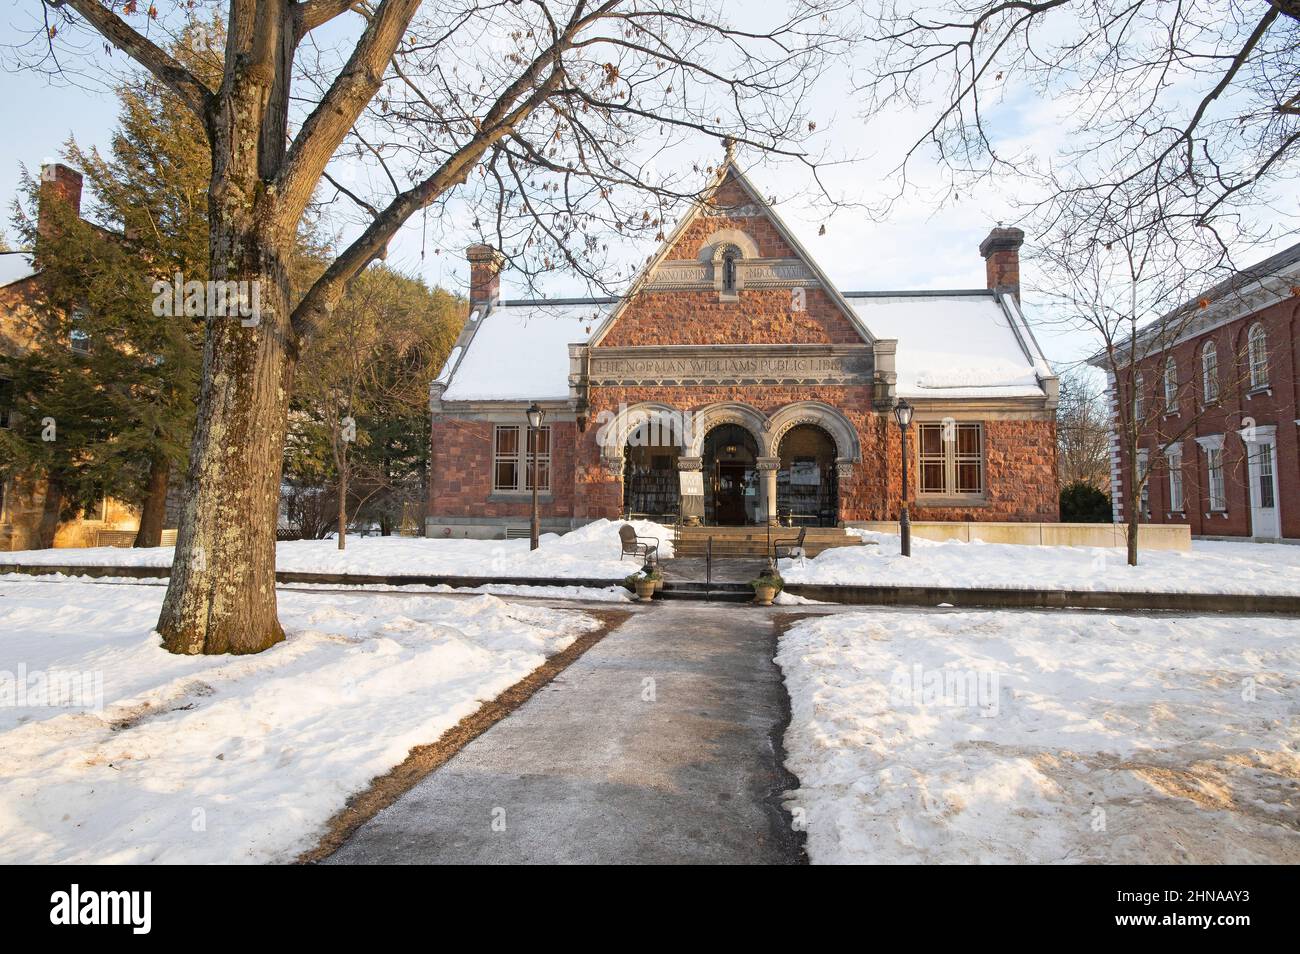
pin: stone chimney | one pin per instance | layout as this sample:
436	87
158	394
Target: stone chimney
59	183
1001	253
484	274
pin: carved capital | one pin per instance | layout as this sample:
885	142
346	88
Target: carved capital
767	464
689	463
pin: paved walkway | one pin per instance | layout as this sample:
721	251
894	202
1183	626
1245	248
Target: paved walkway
657	746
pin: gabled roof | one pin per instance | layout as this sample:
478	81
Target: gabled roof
1242	293
955	345
951	344
730	171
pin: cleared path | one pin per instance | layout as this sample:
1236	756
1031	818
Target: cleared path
658	745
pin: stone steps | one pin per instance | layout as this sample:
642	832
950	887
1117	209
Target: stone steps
753	541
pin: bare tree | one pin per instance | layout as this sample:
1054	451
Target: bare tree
1083	430
1129	295
535	120
1187	110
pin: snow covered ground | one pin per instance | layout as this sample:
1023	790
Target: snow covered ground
590	552
1209	567
231	759
1044	737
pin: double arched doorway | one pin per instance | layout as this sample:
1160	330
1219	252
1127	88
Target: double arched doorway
751	469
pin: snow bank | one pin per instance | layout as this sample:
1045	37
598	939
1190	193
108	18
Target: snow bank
591	551
235	759
1209	567
931	737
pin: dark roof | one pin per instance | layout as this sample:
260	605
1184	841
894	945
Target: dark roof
1220	290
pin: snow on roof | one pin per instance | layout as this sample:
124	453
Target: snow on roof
953	345
520	350
14	267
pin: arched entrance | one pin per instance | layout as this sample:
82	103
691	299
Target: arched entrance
730	458
651	487
807	484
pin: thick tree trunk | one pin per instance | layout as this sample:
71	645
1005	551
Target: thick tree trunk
1131	537
153	511
222	593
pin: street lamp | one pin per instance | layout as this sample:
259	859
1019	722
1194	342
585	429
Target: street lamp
535	416
903	414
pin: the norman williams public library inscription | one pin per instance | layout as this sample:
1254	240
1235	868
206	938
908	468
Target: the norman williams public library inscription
722	365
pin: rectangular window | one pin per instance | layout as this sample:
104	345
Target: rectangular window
1144	497
512	464
1265	475
1175	462
539	441
505	458
1214	471
951	458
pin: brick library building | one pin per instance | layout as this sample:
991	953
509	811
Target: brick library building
735	369
1215	397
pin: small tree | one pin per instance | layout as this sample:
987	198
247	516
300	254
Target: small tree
1082	431
1129	295
361	409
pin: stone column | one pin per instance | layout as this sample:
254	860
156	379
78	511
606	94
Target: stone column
767	468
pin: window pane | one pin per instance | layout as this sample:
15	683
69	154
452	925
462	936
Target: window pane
931	439
932	478
968	439
543	475
968	478
1266	475
541	439
507	440
506	476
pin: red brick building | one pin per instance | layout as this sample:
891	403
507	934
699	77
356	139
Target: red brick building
1217	400
735	368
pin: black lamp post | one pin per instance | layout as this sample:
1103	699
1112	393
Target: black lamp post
535	416
903	414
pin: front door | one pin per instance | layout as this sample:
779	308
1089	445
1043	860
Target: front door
729	498
1262	471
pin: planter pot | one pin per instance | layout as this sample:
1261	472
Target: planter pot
645	590
763	595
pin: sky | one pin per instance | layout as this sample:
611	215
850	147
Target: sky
918	246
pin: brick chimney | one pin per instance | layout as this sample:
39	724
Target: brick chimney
59	183
1001	253
484	274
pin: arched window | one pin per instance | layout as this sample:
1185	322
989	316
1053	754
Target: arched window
1257	356
729	257
1210	373
1171	385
